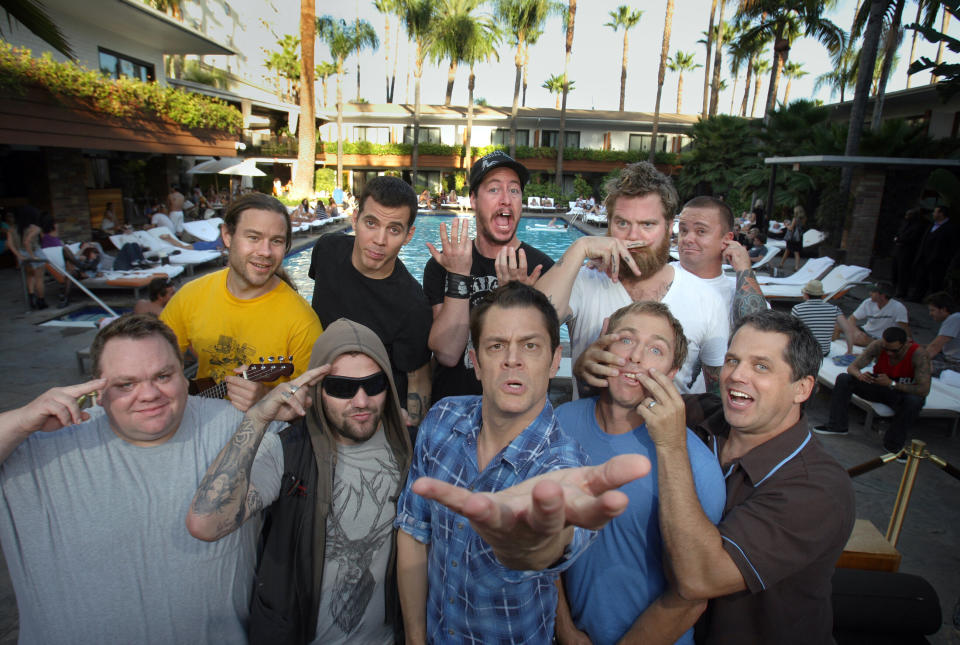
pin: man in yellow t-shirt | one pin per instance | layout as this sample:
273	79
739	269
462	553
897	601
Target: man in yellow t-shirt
232	318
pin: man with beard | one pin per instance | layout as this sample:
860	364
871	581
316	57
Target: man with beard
327	571
232	318
641	203
457	278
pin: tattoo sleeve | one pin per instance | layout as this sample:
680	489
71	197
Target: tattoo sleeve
748	297
921	375
711	379
225	494
868	356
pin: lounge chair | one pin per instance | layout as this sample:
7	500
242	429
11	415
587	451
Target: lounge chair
837	282
772	252
152	245
207	230
533	203
108	279
813	269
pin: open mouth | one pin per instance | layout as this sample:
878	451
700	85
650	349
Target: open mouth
513	387
503	221
739	399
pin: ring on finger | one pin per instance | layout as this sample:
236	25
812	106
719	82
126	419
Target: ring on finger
651	404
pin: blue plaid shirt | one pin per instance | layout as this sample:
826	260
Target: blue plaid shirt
471	597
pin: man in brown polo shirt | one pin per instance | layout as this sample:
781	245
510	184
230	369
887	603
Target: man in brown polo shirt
766	568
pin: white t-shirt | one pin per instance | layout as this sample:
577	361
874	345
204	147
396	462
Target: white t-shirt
698	307
95	538
875	319
161	219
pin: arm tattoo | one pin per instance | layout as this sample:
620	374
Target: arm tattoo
921	375
415	408
225	489
868	356
748	297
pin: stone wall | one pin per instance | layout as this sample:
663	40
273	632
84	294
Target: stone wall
867	197
67	181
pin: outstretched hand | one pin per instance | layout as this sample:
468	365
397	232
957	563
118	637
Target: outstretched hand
288	400
456	254
529	525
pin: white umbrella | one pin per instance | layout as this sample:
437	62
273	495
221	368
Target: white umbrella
247	168
213	165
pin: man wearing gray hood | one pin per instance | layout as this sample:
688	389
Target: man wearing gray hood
327	570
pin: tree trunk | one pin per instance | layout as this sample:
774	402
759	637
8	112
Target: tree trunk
339	122
717	58
746	87
324	81
470	86
396	56
706	66
526	62
786	92
944	23
757	84
680	92
561	136
664	54
890	50
556	101
451	77
386	55
623	70
868	57
418	73
781	51
733	92
307	127
407	90
518	62
913	46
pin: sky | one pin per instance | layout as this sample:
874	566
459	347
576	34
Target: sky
595	61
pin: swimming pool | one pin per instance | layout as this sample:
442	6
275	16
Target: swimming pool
532	230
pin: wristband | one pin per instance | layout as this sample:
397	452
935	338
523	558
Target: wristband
458	286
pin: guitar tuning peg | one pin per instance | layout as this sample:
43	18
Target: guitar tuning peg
271	359
261	359
290	358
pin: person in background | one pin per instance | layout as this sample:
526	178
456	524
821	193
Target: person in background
822	318
794	237
875	314
108	224
758	247
944	350
23	239
160	290
906	242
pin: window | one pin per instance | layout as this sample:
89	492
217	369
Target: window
501	137
641	142
116	65
374	134
427	135
548	139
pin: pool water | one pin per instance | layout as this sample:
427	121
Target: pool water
415	255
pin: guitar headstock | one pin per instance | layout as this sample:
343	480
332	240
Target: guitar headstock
270	369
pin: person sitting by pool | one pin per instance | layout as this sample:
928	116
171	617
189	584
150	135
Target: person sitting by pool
332	208
759	247
160	291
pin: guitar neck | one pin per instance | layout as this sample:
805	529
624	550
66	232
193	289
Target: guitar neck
218	391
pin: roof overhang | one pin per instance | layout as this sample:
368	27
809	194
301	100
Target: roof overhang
145	24
841	160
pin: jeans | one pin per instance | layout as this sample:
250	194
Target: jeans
127	256
906	407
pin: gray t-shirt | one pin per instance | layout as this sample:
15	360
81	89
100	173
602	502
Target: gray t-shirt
951	327
94	534
359	530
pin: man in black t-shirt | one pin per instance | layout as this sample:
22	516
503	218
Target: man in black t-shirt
460	276
361	278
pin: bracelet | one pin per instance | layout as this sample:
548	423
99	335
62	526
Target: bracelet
458	286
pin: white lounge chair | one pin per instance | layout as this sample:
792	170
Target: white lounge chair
152	245
533	203
207	230
109	279
837	282
811	270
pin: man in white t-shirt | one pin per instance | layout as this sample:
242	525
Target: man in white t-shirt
944	350
876	313
640	203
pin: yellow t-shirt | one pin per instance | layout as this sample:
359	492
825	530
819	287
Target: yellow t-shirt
226	332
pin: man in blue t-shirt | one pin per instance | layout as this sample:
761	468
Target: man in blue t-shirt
618	586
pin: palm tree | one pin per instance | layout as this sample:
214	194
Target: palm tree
387	8
706	68
341	38
520	18
791	70
323	71
723	31
623	17
944	23
454	22
33	16
554	85
783	21
891	43
420	17
532	39
929	9
480	46
760	67
739	53
364	36
664	53
307	126
680	63
568	48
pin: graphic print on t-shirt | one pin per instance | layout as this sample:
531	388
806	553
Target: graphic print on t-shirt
228	354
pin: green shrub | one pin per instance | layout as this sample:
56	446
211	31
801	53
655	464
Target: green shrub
325	179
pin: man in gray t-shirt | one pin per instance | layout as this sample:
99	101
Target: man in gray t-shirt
944	350
94	504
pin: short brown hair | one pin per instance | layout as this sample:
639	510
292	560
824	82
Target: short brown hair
134	326
261	202
724	214
639	179
651	308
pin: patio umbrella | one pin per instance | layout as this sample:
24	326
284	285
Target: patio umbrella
247	168
213	166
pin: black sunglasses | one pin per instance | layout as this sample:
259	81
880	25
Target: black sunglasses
345	387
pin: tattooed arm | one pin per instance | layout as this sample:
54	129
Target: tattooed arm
225	498
748	298
921	375
418	394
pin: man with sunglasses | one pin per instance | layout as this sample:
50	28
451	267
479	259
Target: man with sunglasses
900	379
327	569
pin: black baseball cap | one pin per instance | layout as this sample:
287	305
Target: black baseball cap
496	159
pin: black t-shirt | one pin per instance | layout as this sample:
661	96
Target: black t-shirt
394	308
460	379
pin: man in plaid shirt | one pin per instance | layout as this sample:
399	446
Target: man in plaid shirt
496	488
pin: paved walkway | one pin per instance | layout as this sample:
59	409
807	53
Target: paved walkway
36	358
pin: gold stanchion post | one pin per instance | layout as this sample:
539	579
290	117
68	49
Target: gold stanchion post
915	452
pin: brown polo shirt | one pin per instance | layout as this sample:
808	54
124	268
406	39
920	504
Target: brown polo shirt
789	512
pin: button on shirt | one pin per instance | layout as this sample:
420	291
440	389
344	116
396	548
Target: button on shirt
788	515
471	597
